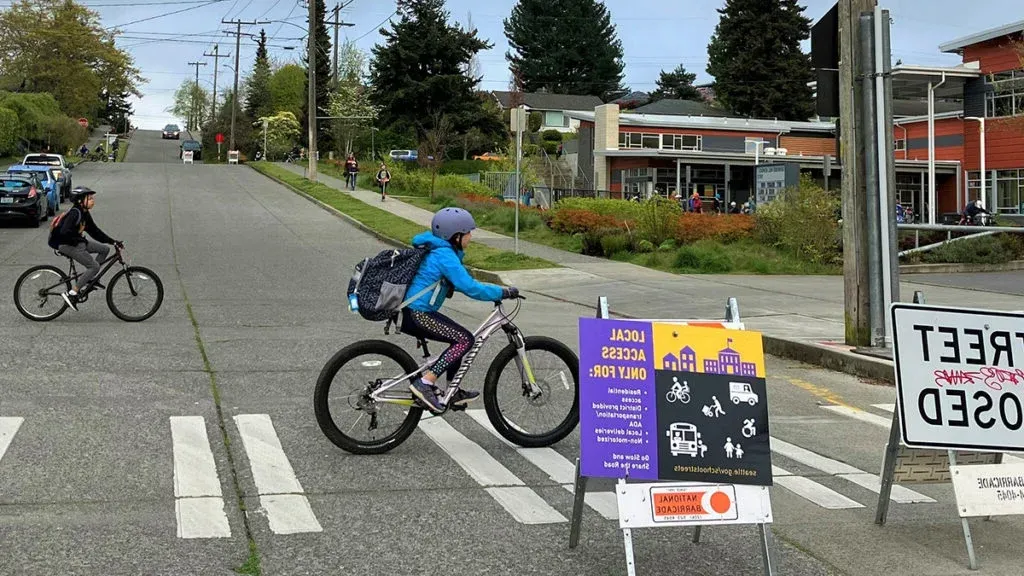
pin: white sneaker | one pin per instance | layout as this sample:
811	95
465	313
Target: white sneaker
71	300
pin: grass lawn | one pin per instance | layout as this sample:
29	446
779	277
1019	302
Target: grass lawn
384	222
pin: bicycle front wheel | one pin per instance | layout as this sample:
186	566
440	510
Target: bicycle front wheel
135	294
350	418
519	414
37	293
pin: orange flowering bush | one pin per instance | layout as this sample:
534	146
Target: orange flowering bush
570	221
723	228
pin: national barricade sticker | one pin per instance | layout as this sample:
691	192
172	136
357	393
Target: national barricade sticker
708	502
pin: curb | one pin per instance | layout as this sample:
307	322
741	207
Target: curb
831	358
482	275
1011	266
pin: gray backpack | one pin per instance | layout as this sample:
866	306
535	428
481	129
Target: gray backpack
380	283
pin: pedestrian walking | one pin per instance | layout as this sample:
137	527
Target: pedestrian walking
383	177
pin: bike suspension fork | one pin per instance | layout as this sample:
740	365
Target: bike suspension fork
529	381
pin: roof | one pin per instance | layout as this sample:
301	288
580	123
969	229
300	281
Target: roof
713	123
979	37
910	108
547	101
675	107
910	82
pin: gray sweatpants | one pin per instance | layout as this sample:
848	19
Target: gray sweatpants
82	253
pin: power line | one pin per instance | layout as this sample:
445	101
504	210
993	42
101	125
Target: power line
164	14
377	27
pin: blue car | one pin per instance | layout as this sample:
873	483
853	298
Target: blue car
47	177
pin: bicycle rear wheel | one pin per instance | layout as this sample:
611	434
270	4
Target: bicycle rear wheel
516	413
37	293
135	294
354	372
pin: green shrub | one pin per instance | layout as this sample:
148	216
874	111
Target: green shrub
619	209
612	244
591	240
504	217
465	167
703	257
9	127
530	149
412	181
644	246
551	135
656	219
536	119
802	221
550	146
997	249
668	245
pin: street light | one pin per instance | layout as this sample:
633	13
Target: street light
981	136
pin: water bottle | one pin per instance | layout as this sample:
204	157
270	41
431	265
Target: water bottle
353	302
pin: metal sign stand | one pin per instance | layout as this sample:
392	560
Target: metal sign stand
920	466
769	553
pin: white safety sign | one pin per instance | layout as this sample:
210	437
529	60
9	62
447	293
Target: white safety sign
988	489
691	504
959	377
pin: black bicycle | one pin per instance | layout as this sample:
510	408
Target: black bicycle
133	294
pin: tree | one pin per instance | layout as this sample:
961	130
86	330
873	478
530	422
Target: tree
566	47
189	102
351	98
258	102
60	47
244	137
283	131
676	84
322	69
756	60
418	73
288	89
473	68
434	145
118	110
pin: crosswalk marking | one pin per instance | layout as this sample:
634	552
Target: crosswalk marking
281	496
841	470
506	488
198	505
861	415
809	489
557	467
8	428
1007	458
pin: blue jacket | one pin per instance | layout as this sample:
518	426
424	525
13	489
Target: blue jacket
444	262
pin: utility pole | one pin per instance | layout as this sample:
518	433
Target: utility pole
336	23
311	73
194	119
238	46
216	64
854	192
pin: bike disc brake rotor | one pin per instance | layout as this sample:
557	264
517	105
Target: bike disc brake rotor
539	398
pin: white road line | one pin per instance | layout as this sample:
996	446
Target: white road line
1007	458
525	505
862	415
198	505
8	428
281	496
832	467
557	467
806	488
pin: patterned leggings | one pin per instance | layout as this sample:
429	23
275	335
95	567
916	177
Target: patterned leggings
438	327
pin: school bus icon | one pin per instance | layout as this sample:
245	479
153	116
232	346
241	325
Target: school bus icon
683	439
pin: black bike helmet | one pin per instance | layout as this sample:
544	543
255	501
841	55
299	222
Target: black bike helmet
80	192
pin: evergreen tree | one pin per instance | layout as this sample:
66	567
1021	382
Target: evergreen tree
257	89
325	138
756	60
565	47
676	84
418	73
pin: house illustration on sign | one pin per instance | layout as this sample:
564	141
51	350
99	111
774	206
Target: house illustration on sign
730	363
685	362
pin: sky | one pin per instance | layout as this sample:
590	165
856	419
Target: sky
655	35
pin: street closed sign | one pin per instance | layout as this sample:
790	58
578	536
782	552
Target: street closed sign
959	377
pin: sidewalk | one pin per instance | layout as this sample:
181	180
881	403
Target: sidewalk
801	310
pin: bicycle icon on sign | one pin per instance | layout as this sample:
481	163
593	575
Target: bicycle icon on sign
679	392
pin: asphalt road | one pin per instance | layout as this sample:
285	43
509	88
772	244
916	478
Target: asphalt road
134	448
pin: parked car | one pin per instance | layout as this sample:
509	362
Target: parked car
22	197
62	169
404	155
194	146
48	180
171	131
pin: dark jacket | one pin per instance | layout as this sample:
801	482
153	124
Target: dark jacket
73	223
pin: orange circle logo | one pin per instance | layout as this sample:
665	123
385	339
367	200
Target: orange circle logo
720	502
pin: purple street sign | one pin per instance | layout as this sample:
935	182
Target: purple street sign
618	418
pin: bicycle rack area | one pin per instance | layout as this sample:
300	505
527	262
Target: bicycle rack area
769	550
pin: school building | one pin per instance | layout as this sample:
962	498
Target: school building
938	156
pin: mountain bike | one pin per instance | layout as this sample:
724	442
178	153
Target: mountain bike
378	373
133	294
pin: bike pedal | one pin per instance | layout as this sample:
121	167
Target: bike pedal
457	407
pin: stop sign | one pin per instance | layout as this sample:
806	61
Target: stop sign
83	122
218	138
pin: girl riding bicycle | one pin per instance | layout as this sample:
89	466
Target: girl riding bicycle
450	233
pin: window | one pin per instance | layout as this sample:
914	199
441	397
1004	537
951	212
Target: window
1006	97
899	144
1005	187
555	119
651	141
681	142
750	145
